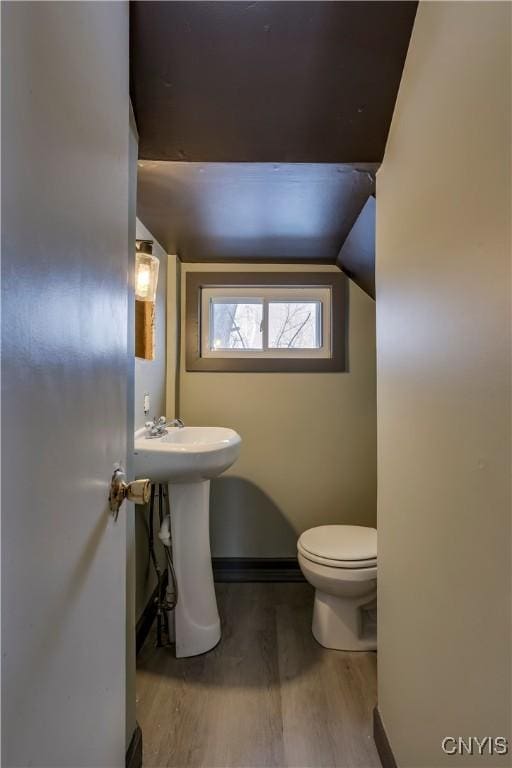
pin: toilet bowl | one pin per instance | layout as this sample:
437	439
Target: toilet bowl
340	562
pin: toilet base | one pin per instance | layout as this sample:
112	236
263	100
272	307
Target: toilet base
344	623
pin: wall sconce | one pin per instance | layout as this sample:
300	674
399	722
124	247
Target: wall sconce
146	271
146	279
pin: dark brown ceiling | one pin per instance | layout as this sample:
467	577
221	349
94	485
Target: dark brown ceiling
357	255
267	81
252	211
284	109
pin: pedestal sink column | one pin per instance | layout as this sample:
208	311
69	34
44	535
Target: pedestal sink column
196	618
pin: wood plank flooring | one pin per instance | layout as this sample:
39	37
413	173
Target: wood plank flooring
267	695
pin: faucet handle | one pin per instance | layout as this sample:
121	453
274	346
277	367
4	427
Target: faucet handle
152	428
157	427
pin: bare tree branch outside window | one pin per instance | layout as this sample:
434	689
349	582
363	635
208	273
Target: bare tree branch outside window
237	325
294	325
291	325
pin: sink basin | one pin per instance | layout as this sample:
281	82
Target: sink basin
186	454
187	458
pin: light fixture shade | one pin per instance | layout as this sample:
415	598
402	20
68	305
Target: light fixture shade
146	271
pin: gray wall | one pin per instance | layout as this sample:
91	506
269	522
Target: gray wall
131	550
444	389
150	377
65	381
150	374
309	440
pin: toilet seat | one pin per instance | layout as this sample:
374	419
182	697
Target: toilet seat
340	546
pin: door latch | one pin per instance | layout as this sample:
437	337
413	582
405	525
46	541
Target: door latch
137	491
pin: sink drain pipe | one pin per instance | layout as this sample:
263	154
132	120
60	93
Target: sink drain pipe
166	539
164	606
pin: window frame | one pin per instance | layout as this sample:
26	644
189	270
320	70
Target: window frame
289	361
268	295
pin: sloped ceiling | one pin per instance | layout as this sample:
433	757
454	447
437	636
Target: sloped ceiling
306	89
357	255
294	82
252	211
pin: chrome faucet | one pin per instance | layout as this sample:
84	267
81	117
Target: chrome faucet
176	423
158	427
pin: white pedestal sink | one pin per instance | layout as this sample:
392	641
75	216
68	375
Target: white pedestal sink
187	458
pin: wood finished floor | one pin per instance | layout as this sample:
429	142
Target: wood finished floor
267	695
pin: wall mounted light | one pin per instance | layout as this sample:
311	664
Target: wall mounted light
146	280
146	271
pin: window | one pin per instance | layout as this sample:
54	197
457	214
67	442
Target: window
264	321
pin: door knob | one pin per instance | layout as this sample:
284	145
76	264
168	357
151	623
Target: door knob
137	491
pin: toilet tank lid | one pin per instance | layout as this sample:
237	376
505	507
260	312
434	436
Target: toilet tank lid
341	542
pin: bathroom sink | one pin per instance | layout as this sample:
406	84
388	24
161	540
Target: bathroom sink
187	458
186	454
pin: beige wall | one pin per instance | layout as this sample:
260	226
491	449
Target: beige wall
309	441
172	390
444	417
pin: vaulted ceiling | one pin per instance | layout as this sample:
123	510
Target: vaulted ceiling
252	211
305	87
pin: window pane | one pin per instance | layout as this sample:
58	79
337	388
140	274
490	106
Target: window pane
236	325
294	324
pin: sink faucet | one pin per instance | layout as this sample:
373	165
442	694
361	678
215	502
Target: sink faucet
158	427
176	423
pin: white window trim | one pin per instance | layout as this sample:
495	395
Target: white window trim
266	294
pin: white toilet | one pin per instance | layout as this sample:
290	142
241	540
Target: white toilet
340	561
